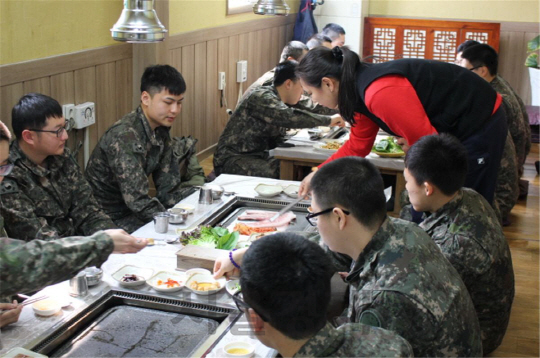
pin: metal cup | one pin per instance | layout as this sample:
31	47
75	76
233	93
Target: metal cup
161	222
78	286
205	196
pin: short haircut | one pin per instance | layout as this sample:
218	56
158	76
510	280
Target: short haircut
482	55
317	40
354	184
32	112
294	49
157	78
438	159
4	132
466	44
286	279
285	71
333	30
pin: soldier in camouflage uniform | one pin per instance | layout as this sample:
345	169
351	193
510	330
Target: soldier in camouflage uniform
139	145
462	223
285	282
399	279
46	196
294	50
259	124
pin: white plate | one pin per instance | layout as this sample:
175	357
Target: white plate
164	276
46	307
14	352
205	278
189	208
319	145
143	273
268	190
193	271
232	286
292	191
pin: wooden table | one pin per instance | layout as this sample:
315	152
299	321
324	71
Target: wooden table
305	155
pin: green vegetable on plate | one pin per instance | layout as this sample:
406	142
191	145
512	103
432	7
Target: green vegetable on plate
387	145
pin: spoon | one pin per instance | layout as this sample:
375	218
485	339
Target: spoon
227	193
172	240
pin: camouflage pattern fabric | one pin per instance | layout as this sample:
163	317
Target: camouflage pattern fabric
47	204
517	118
26	267
355	340
402	282
467	231
305	103
257	125
126	155
507	185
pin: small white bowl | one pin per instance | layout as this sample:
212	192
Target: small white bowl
164	276
267	190
292	191
193	271
232	286
46	307
142	273
187	207
205	278
244	349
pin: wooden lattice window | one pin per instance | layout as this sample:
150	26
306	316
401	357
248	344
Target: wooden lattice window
388	39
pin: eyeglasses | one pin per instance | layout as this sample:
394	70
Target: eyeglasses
5	169
313	215
58	132
474	68
243	306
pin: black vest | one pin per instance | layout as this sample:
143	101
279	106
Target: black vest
456	100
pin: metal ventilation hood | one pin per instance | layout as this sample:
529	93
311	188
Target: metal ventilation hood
138	23
271	7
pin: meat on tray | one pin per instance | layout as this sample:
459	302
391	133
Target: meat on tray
282	220
256	215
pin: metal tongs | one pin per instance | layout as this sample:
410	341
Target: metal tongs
286	208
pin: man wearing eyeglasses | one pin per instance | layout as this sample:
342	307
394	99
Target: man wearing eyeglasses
46	196
285	293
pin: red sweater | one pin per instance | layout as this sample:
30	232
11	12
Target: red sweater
393	99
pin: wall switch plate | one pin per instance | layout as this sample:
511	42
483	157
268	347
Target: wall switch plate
241	71
68	111
221	80
85	115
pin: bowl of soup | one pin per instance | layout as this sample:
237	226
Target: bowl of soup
239	349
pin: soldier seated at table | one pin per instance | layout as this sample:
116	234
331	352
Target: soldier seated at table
139	145
466	229
285	293
46	196
259	124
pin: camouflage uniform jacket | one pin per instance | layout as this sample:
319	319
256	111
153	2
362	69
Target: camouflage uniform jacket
467	231
258	124
517	117
355	340
402	282
305	103
507	185
46	204
126	155
31	266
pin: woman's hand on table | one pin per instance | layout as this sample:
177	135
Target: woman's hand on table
124	243
224	267
9	313
337	121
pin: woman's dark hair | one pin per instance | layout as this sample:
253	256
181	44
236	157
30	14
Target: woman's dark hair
440	159
285	71
338	63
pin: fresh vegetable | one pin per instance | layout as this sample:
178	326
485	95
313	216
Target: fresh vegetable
212	237
387	145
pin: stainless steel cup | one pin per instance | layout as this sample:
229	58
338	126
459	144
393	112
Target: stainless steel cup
205	196
161	222
78	286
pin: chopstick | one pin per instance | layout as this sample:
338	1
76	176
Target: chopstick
32	300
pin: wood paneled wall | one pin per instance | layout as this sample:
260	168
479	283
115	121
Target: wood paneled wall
104	76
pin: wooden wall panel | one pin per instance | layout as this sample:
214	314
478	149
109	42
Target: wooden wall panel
223	66
188	110
39	85
211	118
106	88
122	99
9	95
200	105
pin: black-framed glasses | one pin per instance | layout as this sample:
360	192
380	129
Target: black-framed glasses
314	215
243	306
474	68
5	169
58	132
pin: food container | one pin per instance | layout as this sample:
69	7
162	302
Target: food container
46	307
160	279
177	216
142	275
239	349
268	190
193	271
205	280
78	286
217	190
188	208
93	275
161	222
205	196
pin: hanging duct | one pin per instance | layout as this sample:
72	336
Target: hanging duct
138	23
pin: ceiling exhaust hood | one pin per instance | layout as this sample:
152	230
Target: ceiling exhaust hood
138	23
271	7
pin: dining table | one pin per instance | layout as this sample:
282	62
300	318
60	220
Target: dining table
309	153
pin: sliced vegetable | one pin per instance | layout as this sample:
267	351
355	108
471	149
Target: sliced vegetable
387	145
